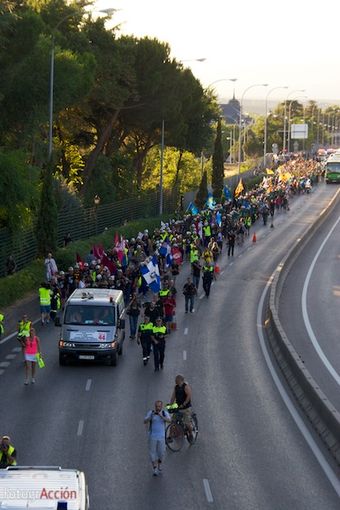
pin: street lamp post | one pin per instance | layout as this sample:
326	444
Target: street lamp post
96	201
284	117
240	122
265	123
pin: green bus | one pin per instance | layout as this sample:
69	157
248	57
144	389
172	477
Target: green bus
333	169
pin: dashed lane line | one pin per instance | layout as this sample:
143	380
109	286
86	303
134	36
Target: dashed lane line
2	371
88	385
10	356
80	427
4	364
201	296
16	349
186	331
184	355
207	490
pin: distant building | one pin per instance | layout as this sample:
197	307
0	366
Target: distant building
231	111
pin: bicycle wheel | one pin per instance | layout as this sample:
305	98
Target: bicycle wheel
174	437
194	423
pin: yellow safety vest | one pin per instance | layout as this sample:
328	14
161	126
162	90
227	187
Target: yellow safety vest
2	318
164	292
159	329
9	452
45	296
24	328
207	231
146	327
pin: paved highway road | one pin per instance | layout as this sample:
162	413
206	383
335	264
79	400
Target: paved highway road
249	455
310	306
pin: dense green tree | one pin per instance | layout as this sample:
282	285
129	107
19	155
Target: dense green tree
46	230
202	193
217	164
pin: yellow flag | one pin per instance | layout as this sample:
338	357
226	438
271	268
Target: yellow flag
239	188
269	171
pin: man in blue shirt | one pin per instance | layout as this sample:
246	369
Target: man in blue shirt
157	420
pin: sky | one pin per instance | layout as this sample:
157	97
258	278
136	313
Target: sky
293	43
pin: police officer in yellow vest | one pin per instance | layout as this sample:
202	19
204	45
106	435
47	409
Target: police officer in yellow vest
206	233
45	302
2	319
145	331
158	343
8	453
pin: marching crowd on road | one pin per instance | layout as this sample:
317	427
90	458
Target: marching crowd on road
146	268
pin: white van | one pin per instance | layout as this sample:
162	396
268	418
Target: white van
92	326
43	488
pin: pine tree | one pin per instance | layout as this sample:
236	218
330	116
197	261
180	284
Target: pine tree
46	230
217	165
202	193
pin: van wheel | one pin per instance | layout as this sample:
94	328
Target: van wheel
62	360
120	350
114	359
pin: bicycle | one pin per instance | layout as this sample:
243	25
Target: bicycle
177	430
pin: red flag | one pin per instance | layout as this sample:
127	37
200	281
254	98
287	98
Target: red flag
79	261
116	239
109	264
177	255
98	251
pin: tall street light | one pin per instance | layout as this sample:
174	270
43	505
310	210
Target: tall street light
285	115
221	79
108	12
265	123
240	122
194	60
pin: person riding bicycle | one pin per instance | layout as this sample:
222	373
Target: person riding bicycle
181	395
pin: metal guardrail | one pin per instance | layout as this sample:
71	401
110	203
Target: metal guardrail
82	223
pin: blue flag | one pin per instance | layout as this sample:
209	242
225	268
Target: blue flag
219	218
227	192
150	273
210	203
192	209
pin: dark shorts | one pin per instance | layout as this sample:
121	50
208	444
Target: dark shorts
45	308
168	318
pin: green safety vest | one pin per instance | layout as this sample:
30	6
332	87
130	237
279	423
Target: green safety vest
9	452
193	255
45	296
164	292
207	231
24	328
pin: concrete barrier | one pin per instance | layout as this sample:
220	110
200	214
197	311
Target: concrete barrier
319	410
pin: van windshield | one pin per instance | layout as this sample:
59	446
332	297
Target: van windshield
81	315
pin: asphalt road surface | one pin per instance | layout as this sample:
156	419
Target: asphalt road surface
249	454
310	306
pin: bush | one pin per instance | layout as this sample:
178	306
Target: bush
28	280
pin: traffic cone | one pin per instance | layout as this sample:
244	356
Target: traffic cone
254	237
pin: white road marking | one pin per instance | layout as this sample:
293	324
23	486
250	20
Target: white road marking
240	255
80	428
201	296
222	272
231	263
186	331
16	349
305	315
331	475
4	364
212	283
207	491
11	356
4	340
2	372
88	385
184	355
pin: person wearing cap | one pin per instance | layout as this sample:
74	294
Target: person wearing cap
145	330
158	343
8	454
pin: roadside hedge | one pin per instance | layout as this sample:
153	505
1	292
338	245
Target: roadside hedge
27	280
